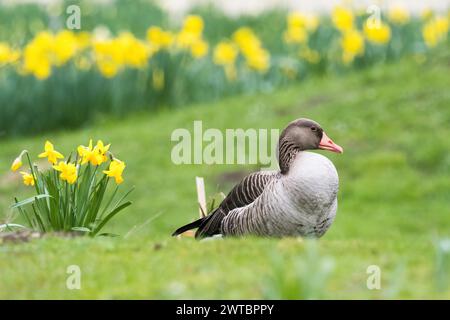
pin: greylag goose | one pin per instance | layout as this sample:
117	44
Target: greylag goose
298	200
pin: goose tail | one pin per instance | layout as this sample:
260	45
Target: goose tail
187	227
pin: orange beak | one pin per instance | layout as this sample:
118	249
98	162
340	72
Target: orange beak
327	144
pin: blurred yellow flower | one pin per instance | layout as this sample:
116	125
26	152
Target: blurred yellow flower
65	47
7	54
68	171
133	52
84	39
38	55
378	34
190	37
342	18
159	38
107	57
435	31
352	43
199	48
295	35
50	153
255	55
115	170
185	39
259	60
398	15
108	69
193	24
225	53
111	55
301	20
244	37
427	14
28	178
17	163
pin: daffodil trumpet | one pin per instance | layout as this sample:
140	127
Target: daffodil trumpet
70	195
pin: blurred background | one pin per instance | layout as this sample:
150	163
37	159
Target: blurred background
125	56
375	74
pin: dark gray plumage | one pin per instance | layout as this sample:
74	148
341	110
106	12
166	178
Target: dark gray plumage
300	199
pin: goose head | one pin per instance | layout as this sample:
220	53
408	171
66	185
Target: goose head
303	134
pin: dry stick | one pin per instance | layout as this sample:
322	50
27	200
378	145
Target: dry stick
201	197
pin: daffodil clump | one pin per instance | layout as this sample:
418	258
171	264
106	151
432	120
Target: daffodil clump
300	26
250	46
435	31
195	60
352	40
49	50
73	194
111	55
190	37
244	42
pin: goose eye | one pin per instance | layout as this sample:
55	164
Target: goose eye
313	129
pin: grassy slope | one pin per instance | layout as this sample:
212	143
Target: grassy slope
393	123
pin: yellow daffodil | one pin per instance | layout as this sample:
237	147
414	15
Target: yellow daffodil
95	155
295	35
199	49
435	31
343	18
352	44
38	55
193	24
225	53
427	14
99	153
115	171
85	153
398	15
50	153
17	163
65	47
256	57
68	171
190	37
134	52
7	54
244	37
28	178
259	60
159	38
378	33
302	20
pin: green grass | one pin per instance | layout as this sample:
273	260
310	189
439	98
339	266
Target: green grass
393	122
